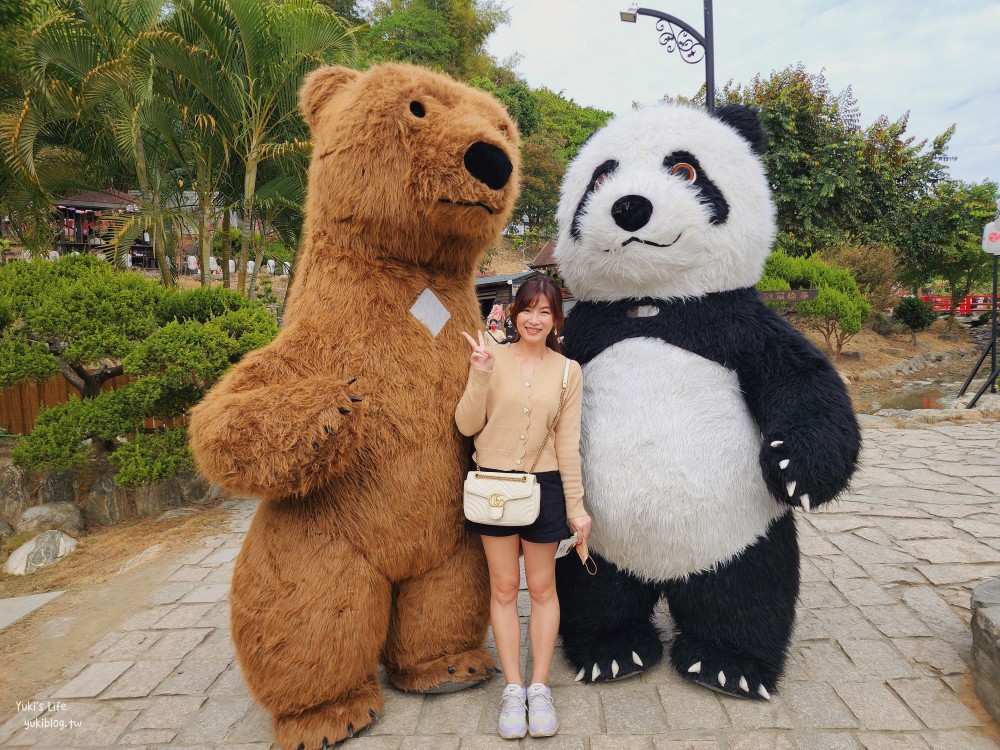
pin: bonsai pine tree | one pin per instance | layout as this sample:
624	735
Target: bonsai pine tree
81	318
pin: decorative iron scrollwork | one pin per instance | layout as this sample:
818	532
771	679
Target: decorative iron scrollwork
691	49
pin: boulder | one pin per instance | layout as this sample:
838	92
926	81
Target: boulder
893	351
107	503
64	516
5	530
852	355
147	554
178	513
195	489
154	499
43	550
58	487
14	495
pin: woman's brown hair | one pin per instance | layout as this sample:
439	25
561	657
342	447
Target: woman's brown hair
525	298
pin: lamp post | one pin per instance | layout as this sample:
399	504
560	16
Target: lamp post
991	245
676	35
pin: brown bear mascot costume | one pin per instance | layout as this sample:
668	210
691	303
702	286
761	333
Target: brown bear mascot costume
344	426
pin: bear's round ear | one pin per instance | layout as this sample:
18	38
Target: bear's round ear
744	121
319	87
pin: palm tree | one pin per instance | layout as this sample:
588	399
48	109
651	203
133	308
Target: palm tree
247	59
86	66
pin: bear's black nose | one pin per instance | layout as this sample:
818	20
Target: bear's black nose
631	212
488	164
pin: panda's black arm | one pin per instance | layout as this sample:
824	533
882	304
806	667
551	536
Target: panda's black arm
811	438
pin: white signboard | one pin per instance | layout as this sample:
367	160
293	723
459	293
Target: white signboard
991	238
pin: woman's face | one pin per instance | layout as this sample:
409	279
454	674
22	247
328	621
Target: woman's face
534	323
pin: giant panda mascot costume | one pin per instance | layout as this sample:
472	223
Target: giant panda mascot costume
706	417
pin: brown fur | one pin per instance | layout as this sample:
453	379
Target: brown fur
357	554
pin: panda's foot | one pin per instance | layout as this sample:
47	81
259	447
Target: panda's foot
626	653
722	670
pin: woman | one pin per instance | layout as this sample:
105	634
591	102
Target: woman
509	403
495	333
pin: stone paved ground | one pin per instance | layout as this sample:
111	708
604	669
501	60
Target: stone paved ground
880	658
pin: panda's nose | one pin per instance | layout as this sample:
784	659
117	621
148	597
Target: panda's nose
631	212
488	164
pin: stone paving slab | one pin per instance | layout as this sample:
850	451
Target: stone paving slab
14	608
880	656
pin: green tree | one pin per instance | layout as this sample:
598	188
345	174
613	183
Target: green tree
247	59
79	317
519	100
942	239
571	124
915	314
542	169
449	35
85	65
834	181
873	267
839	309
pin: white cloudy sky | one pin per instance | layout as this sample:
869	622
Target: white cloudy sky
937	59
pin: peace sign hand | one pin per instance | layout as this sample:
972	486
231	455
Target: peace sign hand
482	358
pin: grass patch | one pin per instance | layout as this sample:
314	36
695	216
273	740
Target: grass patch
100	554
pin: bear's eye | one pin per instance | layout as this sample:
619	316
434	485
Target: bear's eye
684	170
417	109
600	179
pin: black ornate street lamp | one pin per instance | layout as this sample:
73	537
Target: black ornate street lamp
677	36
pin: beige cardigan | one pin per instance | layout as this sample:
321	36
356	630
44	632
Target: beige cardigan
509	414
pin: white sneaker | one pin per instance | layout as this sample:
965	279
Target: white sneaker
542	720
513	724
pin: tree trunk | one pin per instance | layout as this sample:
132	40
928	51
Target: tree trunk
249	186
258	259
227	246
291	274
204	219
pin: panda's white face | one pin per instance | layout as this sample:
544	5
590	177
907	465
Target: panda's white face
664	202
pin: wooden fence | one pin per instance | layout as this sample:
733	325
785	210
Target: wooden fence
20	405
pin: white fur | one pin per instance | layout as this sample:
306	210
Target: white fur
706	258
669	455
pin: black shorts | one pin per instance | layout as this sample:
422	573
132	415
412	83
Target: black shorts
550	526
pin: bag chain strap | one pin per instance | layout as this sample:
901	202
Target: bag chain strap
562	397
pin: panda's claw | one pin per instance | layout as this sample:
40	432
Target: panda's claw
595	673
790	487
762	692
636	660
695	668
614	669
743	684
776	443
722	679
580	674
783	464
806	506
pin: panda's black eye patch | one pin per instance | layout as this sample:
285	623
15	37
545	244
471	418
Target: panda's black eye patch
600	175
678	164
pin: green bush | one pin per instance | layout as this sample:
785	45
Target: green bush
838	311
915	314
873	267
77	316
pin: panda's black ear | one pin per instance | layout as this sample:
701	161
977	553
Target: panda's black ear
744	121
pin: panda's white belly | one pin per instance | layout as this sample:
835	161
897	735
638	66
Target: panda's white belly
670	461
